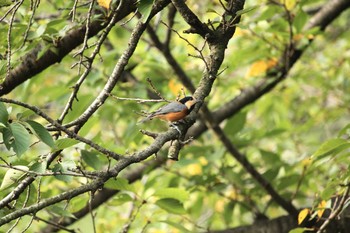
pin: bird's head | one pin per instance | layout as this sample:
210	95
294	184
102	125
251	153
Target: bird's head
189	101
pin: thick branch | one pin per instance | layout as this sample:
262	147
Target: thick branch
328	13
196	25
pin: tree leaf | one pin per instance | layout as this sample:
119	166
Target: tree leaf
119	184
12	176
303	214
42	133
121	198
236	123
246	10
171	205
145	7
104	3
17	138
344	131
298	230
332	146
290	4
4	115
174	193
64	167
39	167
61	212
177	226
300	20
65	143
91	159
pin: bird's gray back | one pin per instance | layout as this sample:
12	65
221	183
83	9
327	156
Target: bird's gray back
171	107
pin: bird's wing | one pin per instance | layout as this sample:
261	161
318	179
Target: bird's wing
171	107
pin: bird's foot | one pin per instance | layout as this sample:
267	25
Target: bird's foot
175	127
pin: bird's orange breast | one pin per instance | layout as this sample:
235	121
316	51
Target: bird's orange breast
173	116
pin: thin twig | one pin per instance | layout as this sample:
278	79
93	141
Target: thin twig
91	212
336	211
49	173
155	90
62	128
54	224
199	50
138	100
73	10
9	54
91	59
86	37
132	216
34	6
24	205
9	10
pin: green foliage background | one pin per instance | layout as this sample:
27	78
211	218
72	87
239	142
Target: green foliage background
296	136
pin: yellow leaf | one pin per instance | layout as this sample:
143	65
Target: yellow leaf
290	4
260	67
104	3
306	162
310	36
271	63
303	214
232	194
220	206
321	208
298	37
203	161
174	87
194	169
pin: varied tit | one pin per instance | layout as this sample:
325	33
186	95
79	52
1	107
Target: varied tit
173	111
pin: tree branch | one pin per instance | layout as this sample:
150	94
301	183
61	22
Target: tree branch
33	65
196	25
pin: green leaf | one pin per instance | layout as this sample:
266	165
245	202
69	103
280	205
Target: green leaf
344	131
171	205
298	230
246	10
4	115
24	115
236	123
4	3
12	176
174	193
37	33
91	159
119	184
42	133
121	198
145	7
177	226
64	167
268	12
300	20
17	138
39	167
329	191
65	143
61	212
332	146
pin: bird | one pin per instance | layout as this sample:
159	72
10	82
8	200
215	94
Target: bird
174	111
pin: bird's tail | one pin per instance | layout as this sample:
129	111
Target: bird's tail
148	118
